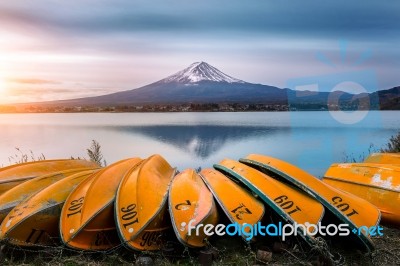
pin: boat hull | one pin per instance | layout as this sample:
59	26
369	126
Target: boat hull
239	205
190	201
87	218
141	204
290	204
16	195
348	208
378	184
384	158
14	175
35	221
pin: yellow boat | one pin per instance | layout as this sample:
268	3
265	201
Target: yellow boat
290	204
385	158
14	175
348	208
87	218
35	221
141	204
14	196
191	202
239	205
379	184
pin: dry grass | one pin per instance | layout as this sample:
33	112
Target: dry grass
95	154
23	157
227	251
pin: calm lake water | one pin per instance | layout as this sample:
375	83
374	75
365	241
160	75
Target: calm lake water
311	140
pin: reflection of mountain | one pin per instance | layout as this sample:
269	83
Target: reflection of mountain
200	140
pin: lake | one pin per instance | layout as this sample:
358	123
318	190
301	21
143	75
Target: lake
311	140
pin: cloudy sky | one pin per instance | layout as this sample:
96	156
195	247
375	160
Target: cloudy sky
66	49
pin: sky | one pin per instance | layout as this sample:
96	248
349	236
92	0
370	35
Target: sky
52	50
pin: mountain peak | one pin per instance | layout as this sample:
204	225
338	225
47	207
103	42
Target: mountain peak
200	71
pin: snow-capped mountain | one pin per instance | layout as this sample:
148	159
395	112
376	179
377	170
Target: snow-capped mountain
198	83
200	71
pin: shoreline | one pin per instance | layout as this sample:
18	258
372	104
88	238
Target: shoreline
196	111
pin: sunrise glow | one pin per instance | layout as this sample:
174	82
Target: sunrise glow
3	85
55	51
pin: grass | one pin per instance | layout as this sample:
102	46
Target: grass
22	157
226	251
361	157
94	153
392	146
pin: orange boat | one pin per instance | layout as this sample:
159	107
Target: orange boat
14	175
141	204
16	195
190	202
348	208
385	158
290	204
242	208
87	218
35	221
379	184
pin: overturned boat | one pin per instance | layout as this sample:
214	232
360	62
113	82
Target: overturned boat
238	204
35	221
16	195
347	208
191	203
385	158
292	206
379	184
87	218
141	204
14	175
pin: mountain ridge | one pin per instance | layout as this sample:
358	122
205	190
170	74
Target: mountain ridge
198	83
201	83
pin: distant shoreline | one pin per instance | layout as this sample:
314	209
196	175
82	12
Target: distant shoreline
163	112
185	108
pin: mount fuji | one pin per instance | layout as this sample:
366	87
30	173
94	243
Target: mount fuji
200	71
201	83
198	83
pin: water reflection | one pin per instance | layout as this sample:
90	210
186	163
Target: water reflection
310	140
201	141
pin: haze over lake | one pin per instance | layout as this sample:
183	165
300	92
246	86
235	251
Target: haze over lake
311	140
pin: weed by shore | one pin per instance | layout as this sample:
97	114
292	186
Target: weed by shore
393	146
227	251
94	153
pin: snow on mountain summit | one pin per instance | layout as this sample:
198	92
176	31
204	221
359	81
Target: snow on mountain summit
200	71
